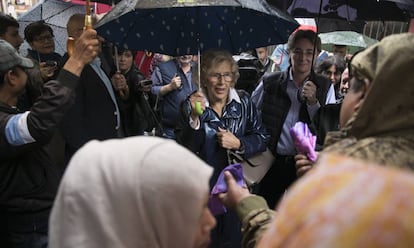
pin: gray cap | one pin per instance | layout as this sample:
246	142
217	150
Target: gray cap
9	57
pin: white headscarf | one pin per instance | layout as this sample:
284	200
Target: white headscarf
134	192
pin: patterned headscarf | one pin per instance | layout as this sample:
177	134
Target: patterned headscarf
382	130
389	64
346	203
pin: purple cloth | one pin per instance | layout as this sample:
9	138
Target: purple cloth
214	204
304	140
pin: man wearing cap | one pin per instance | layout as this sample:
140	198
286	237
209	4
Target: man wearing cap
28	177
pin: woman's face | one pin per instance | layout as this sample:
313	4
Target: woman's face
125	61
333	74
43	43
351	103
205	224
301	56
343	88
220	79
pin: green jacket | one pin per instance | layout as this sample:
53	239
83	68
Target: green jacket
255	216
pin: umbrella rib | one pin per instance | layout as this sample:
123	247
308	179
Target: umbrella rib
58	13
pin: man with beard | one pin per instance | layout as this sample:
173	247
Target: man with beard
172	84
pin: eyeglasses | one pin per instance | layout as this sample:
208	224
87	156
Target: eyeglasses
44	38
216	77
307	53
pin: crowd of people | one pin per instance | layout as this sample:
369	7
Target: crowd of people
77	168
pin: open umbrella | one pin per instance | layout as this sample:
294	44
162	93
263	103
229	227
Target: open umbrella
55	13
350	10
191	26
351	39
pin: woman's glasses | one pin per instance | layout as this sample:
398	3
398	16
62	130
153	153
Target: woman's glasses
216	77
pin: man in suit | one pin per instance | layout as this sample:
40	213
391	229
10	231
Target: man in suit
95	113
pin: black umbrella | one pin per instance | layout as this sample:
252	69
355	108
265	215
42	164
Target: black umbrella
350	10
190	26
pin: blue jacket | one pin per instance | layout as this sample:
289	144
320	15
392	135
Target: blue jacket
240	117
171	102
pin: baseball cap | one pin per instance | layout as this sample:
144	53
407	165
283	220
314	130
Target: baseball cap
9	57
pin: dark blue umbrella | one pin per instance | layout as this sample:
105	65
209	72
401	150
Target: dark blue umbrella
191	26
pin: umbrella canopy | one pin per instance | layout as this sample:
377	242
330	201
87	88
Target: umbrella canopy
348	38
351	10
189	26
55	13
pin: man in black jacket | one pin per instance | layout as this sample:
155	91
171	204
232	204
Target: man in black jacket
95	114
28	177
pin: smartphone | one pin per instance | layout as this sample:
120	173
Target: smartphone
51	63
145	82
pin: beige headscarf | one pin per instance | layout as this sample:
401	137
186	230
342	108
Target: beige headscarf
390	63
134	192
345	203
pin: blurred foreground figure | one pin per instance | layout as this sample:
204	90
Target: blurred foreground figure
357	205
341	203
377	113
133	192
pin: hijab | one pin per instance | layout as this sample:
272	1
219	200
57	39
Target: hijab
344	202
133	192
382	130
389	65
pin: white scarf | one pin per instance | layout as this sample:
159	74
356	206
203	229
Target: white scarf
134	192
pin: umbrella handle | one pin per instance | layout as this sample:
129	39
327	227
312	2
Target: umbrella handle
88	25
198	108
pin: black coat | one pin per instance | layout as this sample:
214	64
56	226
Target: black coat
29	178
92	116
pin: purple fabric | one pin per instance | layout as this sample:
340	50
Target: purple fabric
214	204
304	140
